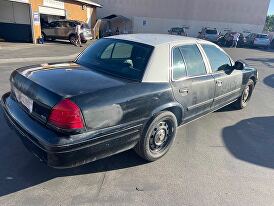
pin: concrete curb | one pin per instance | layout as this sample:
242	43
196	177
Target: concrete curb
35	59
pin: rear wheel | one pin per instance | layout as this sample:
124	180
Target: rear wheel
246	95
158	137
72	39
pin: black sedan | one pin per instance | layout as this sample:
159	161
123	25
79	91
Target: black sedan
122	92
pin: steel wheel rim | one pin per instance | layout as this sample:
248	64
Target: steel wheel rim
161	136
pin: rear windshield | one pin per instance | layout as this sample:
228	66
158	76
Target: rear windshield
124	59
262	36
211	31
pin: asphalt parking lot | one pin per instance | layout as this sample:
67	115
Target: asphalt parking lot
225	158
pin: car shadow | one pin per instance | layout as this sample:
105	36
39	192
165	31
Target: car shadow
20	169
252	140
269	80
65	42
269	50
269	62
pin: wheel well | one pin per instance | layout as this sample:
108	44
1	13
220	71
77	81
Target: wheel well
177	111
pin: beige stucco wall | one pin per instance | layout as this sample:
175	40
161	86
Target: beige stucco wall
249	13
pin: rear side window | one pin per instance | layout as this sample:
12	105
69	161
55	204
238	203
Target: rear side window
217	58
64	24
178	65
194	61
54	24
122	50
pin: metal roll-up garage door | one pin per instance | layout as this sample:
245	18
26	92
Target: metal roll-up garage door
15	21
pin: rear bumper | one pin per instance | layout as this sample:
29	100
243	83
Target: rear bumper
63	151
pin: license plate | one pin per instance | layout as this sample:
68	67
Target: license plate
23	99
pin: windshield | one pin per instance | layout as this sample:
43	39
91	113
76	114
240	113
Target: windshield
211	31
124	59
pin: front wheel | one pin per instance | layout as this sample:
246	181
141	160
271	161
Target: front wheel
158	137
246	95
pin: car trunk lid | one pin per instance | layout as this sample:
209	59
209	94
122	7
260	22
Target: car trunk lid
39	88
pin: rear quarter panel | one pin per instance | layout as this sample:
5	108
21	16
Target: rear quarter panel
133	103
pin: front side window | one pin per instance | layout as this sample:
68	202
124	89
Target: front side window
116	57
217	58
194	61
178	65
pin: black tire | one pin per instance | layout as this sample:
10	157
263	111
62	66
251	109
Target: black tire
84	41
157	137
246	95
72	39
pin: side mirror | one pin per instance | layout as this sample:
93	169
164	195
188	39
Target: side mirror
239	65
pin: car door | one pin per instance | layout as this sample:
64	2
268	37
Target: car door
60	29
228	82
50	30
193	86
250	39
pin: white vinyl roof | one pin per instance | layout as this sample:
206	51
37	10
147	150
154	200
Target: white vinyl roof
154	39
159	65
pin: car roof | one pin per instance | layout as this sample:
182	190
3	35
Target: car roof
155	39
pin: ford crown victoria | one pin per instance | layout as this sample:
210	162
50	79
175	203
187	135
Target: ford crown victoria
122	92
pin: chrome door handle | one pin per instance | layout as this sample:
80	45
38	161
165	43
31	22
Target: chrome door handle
219	83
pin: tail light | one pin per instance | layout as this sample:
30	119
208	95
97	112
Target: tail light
66	115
